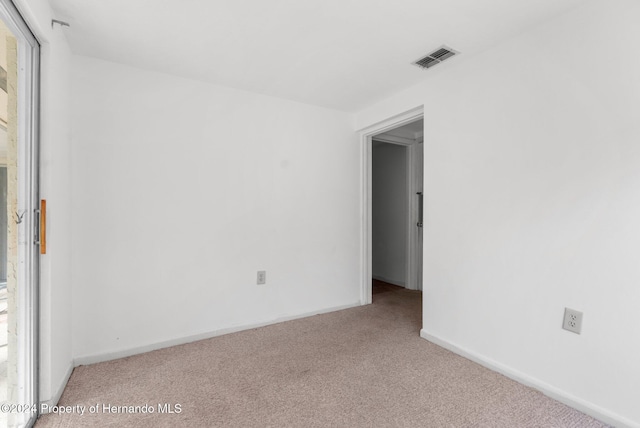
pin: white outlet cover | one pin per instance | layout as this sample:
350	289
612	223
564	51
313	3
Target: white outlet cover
572	320
262	277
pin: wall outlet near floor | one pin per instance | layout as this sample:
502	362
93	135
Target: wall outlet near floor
572	320
262	277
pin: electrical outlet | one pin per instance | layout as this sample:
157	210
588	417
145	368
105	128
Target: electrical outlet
572	320
262	277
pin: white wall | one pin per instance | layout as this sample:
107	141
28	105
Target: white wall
532	201
55	186
183	190
389	213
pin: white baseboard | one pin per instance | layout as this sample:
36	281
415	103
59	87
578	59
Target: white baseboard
46	405
390	281
584	406
108	356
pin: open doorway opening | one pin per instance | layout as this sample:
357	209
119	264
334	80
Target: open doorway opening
389	210
396	207
393	131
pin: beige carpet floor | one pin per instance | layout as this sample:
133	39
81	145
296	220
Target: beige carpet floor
361	367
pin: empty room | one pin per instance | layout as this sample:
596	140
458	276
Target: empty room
320	213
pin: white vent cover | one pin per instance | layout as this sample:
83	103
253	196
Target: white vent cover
436	57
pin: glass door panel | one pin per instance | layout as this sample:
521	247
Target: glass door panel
18	220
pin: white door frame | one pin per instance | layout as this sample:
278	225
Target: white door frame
28	108
366	137
411	261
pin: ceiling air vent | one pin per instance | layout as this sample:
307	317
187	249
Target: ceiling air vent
436	57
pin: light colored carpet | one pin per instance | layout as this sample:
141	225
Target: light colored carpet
361	367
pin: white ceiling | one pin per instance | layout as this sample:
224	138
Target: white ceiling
343	54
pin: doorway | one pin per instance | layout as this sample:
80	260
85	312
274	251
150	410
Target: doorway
392	151
389	211
19	220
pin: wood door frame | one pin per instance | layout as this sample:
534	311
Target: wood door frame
366	138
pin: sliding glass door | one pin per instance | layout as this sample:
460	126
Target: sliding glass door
19	220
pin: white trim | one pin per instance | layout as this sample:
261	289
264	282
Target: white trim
108	356
414	253
584	406
412	219
396	121
417	234
30	18
55	398
366	135
392	139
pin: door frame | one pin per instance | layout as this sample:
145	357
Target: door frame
366	241
28	108
411	178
